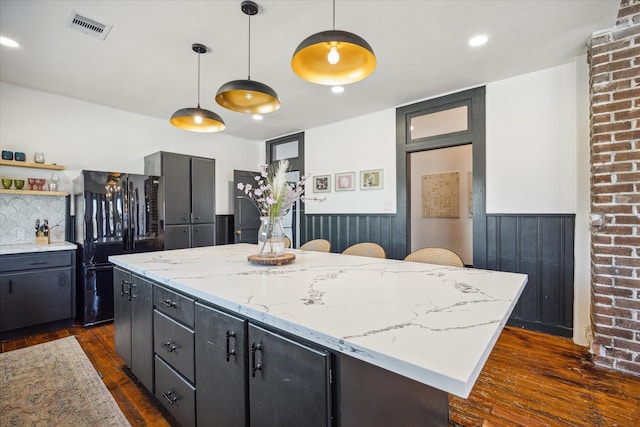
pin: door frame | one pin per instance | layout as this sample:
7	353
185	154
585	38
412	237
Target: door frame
474	99
295	164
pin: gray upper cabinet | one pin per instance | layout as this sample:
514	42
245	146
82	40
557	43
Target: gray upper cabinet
187	198
177	186
203	180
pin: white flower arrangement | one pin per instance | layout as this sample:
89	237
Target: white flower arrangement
272	194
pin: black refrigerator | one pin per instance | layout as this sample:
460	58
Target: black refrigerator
115	213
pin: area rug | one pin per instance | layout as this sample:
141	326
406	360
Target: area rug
54	384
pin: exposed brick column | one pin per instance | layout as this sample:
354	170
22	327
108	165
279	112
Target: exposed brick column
614	64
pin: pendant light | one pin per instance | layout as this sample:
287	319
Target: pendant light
197	119
333	57
248	96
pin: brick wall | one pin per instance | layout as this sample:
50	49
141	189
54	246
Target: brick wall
614	64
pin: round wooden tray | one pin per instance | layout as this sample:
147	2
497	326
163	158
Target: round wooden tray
279	260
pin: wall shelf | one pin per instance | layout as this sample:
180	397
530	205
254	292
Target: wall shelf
34	192
31	165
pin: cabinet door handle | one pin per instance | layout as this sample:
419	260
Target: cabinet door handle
169	303
11	291
169	346
231	352
122	291
170	397
255	367
129	292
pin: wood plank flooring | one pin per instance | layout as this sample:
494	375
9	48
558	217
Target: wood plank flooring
530	379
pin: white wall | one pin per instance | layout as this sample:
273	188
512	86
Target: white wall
82	135
455	234
531	145
534	161
363	143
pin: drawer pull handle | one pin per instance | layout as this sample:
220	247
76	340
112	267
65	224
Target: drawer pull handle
169	346
255	367
169	303
39	263
170	397
230	352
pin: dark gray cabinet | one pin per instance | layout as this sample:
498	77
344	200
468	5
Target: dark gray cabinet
187	187
36	289
247	375
288	382
173	336
133	323
221	368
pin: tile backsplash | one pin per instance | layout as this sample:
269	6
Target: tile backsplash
18	214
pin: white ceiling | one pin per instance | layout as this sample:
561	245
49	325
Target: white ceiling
146	64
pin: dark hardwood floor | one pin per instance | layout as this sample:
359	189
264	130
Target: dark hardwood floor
530	379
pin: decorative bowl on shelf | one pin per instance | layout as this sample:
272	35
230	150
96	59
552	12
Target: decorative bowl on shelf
20	156
18	183
40	183
38	157
32	183
6	183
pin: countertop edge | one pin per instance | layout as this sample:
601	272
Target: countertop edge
33	248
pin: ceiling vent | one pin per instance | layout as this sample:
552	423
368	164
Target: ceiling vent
88	26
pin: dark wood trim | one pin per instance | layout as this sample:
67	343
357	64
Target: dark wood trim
296	164
474	99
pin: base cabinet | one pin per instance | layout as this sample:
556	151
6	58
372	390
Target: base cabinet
247	375
212	368
221	368
36	289
288	382
133	324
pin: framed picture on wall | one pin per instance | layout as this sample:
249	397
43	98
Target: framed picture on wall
346	181
371	179
321	183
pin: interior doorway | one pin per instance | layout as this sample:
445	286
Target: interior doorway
440	167
441	200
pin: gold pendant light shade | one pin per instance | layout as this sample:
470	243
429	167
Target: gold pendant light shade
197	120
333	58
248	96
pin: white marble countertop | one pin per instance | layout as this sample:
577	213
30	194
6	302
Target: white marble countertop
32	247
434	324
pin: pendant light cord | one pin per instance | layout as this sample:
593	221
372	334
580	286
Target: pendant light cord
249	60
199	79
334	15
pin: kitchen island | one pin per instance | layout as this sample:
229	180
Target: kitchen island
419	329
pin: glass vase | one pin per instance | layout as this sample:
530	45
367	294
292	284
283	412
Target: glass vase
271	237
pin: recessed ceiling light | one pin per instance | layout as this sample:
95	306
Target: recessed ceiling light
478	40
257	117
5	41
337	89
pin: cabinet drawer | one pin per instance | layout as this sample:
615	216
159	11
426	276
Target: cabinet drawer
175	393
174	343
174	305
35	261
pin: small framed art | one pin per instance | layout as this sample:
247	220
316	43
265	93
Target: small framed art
371	179
346	181
321	183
